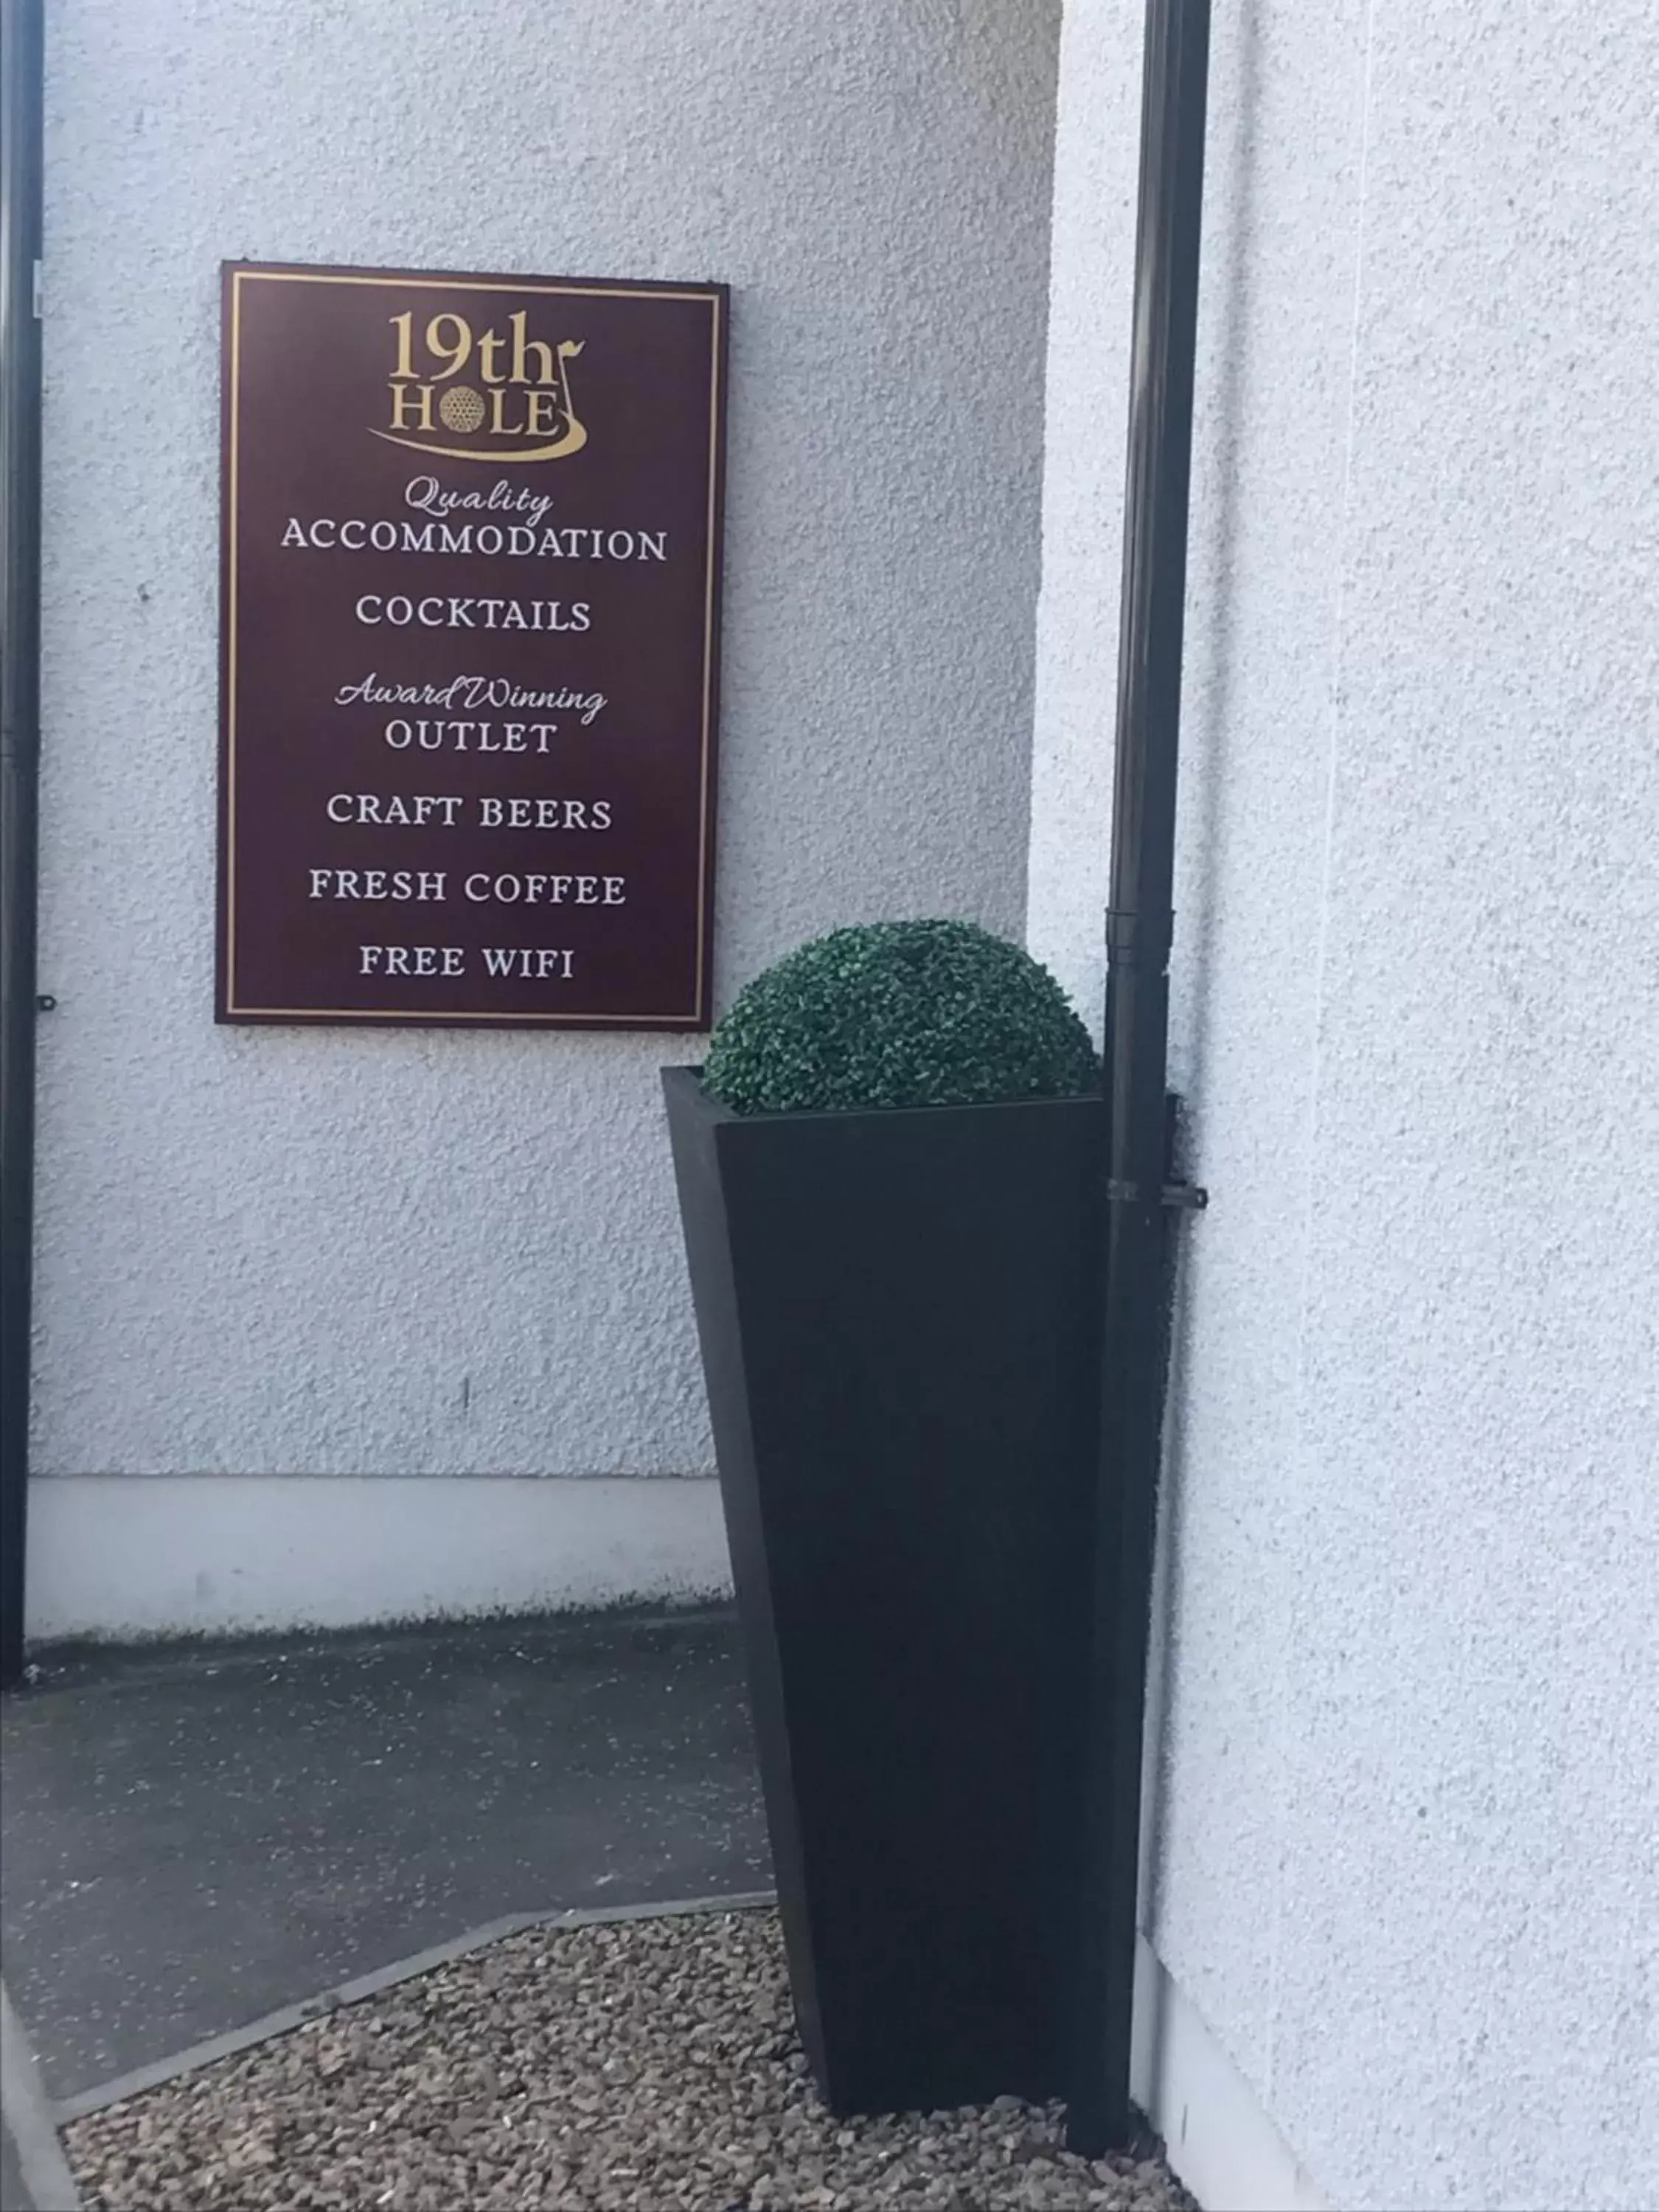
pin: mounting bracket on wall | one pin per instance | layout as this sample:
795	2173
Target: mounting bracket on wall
1190	1196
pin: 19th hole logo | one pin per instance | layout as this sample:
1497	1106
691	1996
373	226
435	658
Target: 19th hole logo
506	394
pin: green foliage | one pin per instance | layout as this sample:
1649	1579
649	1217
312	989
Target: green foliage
899	1013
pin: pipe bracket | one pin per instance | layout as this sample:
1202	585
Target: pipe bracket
1188	1197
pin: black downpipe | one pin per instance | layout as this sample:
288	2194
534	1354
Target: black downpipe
20	757
1139	921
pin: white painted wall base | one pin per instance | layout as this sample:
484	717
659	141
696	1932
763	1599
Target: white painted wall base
123	1556
1220	2139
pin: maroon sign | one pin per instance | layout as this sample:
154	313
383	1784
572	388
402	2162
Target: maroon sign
470	628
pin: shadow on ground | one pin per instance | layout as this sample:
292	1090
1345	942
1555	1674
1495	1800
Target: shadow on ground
195	1837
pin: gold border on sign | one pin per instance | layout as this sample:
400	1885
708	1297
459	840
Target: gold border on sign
410	1017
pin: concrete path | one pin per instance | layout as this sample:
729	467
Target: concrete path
195	1839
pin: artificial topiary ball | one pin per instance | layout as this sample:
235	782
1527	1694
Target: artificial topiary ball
899	1013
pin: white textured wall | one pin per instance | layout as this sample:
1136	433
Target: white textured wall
398	1253
1405	1860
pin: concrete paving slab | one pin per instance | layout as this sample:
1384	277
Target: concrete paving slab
35	2175
13	2197
195	1837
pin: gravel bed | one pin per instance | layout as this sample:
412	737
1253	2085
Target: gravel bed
648	2064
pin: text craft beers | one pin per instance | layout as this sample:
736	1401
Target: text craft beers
464	389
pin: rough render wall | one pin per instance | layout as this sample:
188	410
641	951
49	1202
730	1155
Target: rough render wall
1405	1850
411	1252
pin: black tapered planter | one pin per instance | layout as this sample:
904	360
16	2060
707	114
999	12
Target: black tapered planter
899	1320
